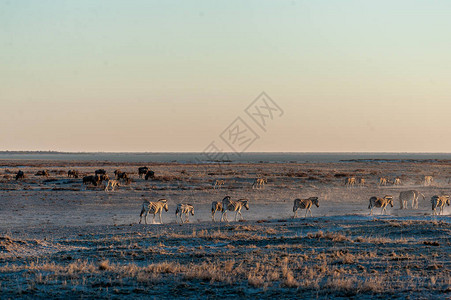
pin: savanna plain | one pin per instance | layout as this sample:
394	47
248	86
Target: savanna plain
60	238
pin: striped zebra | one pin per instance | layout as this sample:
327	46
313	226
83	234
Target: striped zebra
406	196
428	180
350	182
215	206
439	202
380	202
383	181
232	205
397	181
218	184
184	209
153	208
304	204
259	183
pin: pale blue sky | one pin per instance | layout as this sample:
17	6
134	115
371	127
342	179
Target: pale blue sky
171	75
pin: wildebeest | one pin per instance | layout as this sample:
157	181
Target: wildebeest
304	204
149	174
100	172
73	173
20	175
184	209
121	175
380	202
91	179
406	196
44	173
153	208
142	171
116	172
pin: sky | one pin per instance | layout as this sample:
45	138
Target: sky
156	76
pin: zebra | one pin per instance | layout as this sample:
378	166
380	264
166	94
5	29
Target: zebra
397	181
380	202
406	196
428	180
215	206
153	208
184	209
259	183
112	183
439	201
350	181
232	205
304	204
218	184
383	181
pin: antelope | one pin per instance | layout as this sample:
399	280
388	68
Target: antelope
218	184
350	181
439	201
380	202
215	206
232	205
304	204
383	181
153	208
112	183
428	180
184	209
397	181
362	182
406	196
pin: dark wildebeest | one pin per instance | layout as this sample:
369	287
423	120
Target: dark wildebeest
101	178
94	180
72	173
149	174
100	172
20	175
42	173
117	172
122	175
142	171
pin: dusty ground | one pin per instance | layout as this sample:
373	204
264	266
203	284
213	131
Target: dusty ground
60	239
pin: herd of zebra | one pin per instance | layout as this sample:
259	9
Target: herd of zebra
227	204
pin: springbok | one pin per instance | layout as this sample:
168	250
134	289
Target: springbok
350	182
362	182
215	206
439	201
259	183
428	180
184	209
218	184
406	196
304	204
380	202
397	181
231	205
153	208
111	183
383	181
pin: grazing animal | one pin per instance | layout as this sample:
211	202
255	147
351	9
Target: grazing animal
231	205
397	181
153	208
439	202
111	183
304	204
406	196
142	171
20	175
259	183
380	202
116	172
121	175
383	181
219	184
149	174
73	173
362	182
215	206
184	209
94	180
350	181
44	173
100	172
428	180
